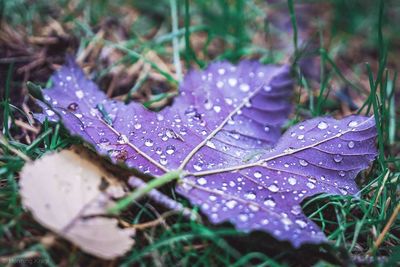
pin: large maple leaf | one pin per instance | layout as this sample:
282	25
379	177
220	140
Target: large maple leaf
219	133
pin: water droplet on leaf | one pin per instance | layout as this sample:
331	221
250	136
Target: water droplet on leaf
353	124
292	180
73	106
201	181
273	188
322	125
337	158
170	149
350	144
303	162
148	142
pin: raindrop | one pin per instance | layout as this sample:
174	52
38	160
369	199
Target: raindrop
232	81
183	131
159	150
210	144
104	141
198	166
343	191
266	128
217	109
303	162
350	144
191	111
164	137
269	202
243	217
337	158
163	161
244	87
170	150
296	210
301	223
250	195
312	180
231	204
170	133
353	124
311	185
50	112
137	126
273	188
342	173
300	137
148	142
220	84
205	206
208	105
212	198
286	221
267	88
322	125
73	106
254	207
235	136
79	94
221	71
228	101
289	150
301	127
265	221
201	181
257	174
292	180
160	117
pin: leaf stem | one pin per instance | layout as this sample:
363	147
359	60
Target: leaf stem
155	183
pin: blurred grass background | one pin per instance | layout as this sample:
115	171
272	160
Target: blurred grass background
139	50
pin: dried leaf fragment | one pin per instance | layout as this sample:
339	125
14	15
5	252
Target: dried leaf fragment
62	190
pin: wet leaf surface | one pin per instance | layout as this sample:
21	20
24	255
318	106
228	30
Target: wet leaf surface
219	132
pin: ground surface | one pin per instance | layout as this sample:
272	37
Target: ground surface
128	48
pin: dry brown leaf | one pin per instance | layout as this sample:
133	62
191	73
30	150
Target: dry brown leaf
61	189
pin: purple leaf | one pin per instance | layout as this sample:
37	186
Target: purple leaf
219	131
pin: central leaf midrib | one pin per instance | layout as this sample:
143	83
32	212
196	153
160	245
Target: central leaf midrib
219	128
260	163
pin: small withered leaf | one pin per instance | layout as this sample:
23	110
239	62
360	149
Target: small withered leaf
62	189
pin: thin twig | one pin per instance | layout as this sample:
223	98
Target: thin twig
20	154
382	235
381	188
